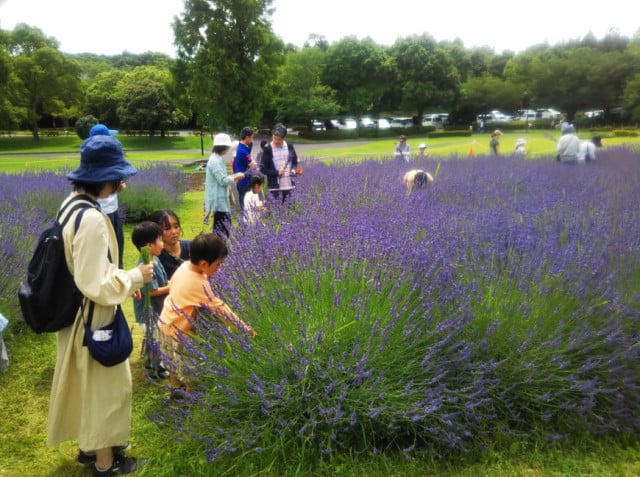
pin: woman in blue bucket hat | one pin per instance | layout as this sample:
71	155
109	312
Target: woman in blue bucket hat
89	402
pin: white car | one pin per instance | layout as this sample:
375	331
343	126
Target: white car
401	122
348	124
383	123
367	123
432	120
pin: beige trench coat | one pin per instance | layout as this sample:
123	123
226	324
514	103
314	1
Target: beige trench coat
89	402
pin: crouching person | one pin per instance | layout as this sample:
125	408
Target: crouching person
416	179
189	289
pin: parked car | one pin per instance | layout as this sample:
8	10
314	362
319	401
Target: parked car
318	125
494	116
367	123
348	124
401	122
528	115
432	120
549	113
383	123
332	124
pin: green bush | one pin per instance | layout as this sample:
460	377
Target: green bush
625	133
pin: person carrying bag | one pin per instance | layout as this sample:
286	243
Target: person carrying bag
90	401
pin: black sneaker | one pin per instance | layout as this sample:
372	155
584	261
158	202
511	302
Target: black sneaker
161	372
121	465
89	458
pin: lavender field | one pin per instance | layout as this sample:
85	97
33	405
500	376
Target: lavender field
499	305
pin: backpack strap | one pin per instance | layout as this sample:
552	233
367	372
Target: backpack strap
80	201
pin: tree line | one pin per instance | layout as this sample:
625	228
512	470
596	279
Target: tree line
232	70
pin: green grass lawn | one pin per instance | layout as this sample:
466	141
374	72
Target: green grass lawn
18	153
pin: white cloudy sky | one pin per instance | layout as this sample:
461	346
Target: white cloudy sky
113	26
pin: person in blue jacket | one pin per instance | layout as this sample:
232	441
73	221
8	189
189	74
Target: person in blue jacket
243	162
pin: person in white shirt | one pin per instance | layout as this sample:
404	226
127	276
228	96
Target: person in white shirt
520	147
568	145
587	151
253	203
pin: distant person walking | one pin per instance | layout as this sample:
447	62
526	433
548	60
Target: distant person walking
402	150
520	148
494	143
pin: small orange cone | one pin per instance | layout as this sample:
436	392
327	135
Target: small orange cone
471	154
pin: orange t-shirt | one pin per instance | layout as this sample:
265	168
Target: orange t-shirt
189	290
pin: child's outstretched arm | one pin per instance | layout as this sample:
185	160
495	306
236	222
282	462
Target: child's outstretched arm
230	318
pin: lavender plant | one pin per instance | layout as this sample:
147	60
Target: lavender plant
29	201
493	306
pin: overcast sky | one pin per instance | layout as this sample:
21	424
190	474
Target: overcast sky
137	26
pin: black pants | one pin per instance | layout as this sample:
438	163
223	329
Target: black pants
222	224
242	190
281	193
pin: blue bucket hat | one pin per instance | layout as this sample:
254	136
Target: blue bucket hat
101	160
102	130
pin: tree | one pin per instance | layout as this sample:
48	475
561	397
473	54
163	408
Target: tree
426	75
303	96
84	124
103	96
50	84
360	72
12	112
232	57
144	102
46	81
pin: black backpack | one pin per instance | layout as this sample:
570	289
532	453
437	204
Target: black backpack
49	298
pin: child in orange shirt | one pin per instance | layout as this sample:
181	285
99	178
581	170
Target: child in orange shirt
189	289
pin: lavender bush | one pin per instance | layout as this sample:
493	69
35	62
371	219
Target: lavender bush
30	201
499	304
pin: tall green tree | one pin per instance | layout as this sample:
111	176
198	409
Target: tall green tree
360	71
426	74
103	96
12	110
144	102
302	96
232	56
47	81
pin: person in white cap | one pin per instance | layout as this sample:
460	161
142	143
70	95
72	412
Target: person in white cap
520	147
216	187
422	151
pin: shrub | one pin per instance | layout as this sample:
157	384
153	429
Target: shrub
29	201
625	132
84	124
489	308
156	186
